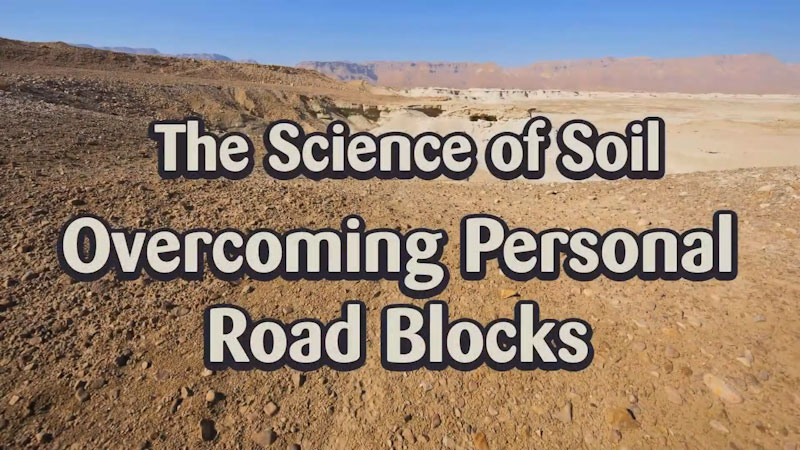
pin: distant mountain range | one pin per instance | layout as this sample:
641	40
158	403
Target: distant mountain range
736	74
152	51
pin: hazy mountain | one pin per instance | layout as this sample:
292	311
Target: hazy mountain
152	51
756	73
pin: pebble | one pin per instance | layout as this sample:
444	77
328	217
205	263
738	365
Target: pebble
716	425
479	440
186	392
639	346
211	396
671	352
673	395
264	438
206	373
436	420
13	400
298	379
448	442
81	395
721	389
621	419
271	409
207	430
565	413
29	275
293	447
746	359
508	293
247	289
43	437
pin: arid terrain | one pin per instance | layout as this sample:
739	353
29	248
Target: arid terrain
119	364
730	74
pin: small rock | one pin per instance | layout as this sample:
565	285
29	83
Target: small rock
479	440
271	409
716	425
293	447
508	293
206	373
721	389
7	304
211	396
186	392
207	430
43	437
436	420
746	359
565	413
671	352
247	289
81	395
621	419
673	395
264	438
408	435
77	202
13	400
29	275
298	379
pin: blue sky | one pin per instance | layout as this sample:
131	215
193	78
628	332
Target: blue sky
508	33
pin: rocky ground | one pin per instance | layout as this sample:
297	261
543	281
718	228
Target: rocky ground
113	364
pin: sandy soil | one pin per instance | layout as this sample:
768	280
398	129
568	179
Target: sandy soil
114	364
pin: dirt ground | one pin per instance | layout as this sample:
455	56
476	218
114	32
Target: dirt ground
116	364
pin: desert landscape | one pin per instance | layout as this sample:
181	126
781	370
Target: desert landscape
117	364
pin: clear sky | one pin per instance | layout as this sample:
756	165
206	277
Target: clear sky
508	33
